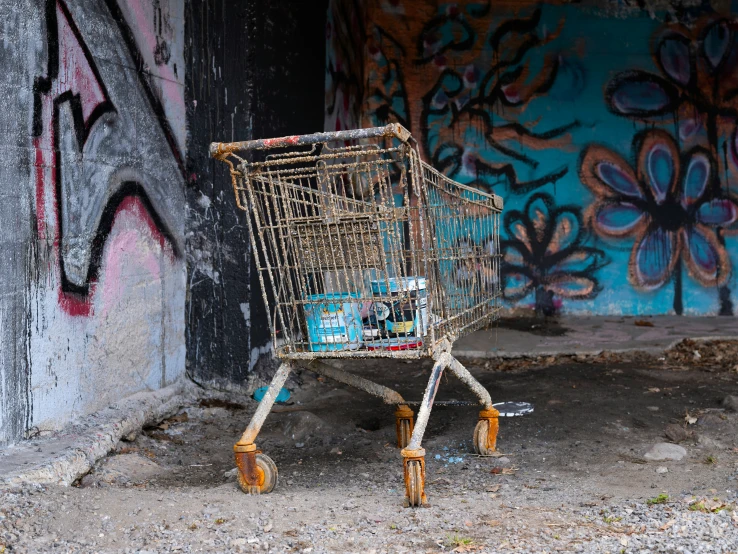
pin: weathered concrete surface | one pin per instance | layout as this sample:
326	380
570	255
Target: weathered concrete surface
64	457
20	27
591	335
92	206
255	70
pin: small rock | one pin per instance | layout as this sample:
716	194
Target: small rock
731	403
89	481
653	408
504	461
709	420
238	542
709	443
231	473
676	433
662	469
665	451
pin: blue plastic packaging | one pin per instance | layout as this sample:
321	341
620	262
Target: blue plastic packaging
283	396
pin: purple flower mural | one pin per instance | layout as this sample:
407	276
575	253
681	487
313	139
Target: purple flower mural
698	82
666	205
696	92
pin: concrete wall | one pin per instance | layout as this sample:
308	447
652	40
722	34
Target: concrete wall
92	261
609	126
255	70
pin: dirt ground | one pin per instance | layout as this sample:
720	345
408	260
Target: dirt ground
569	477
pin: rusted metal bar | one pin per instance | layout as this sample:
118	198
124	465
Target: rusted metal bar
427	403
387	395
394	130
265	406
465	377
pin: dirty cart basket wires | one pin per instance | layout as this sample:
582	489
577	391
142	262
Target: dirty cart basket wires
363	250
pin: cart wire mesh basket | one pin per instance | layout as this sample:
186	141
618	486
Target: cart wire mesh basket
364	250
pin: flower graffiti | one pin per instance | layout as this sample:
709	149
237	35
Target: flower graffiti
471	119
545	255
666	205
461	80
697	92
698	83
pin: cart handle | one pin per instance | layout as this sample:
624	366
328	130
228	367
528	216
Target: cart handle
395	130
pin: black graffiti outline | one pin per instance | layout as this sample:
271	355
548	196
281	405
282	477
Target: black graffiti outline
536	261
385	110
128	189
484	103
339	79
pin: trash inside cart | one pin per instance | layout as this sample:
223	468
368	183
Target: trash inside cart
363	250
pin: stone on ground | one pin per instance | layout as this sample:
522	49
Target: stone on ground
731	403
665	451
676	433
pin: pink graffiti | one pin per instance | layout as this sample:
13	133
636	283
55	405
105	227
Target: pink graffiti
124	248
145	25
76	81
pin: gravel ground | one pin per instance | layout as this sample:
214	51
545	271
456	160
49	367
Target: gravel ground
571	477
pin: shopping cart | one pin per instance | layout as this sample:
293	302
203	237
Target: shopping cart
363	250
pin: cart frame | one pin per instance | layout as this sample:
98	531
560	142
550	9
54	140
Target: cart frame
308	224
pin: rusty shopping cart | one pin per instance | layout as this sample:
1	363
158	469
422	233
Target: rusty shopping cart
363	250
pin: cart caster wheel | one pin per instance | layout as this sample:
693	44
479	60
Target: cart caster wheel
404	425
485	437
414	483
266	471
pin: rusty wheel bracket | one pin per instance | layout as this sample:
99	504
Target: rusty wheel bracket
402	415
492	417
406	461
250	475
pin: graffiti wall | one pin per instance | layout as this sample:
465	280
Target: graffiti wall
96	179
609	126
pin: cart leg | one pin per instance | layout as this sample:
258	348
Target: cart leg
257	473
413	454
485	433
387	395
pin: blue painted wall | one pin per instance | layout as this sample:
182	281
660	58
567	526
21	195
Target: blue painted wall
610	130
